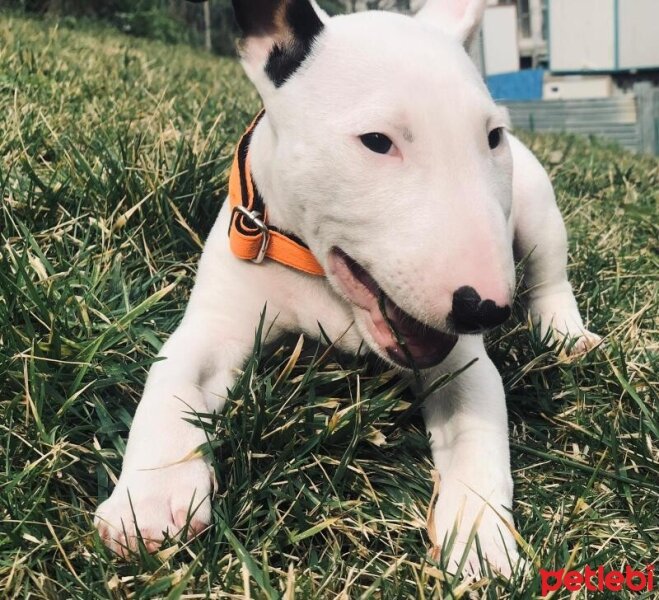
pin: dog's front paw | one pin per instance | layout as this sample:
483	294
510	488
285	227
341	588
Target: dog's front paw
497	558
172	501
579	343
561	323
570	334
463	523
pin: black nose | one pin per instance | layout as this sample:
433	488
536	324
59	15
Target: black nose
471	314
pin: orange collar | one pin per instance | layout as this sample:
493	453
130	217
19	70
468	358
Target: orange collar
250	236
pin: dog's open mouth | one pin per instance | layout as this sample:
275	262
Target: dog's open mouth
405	340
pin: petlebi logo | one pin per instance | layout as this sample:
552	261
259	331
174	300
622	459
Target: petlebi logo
597	580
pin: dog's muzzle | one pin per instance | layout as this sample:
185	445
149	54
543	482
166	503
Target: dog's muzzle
405	340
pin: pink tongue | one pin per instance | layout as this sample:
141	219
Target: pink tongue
363	295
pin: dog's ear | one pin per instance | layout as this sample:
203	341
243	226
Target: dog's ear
277	36
459	18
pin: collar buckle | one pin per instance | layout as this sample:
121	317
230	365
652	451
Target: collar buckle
254	218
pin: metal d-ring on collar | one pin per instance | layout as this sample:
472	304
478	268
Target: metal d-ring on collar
254	218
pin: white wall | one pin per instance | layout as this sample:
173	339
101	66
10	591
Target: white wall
639	33
500	46
581	35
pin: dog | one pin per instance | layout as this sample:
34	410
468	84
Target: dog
380	195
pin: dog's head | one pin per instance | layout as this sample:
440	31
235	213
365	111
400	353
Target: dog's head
383	150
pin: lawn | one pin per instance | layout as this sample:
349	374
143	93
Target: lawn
113	165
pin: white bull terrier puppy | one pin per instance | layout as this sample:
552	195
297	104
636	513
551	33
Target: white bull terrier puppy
395	202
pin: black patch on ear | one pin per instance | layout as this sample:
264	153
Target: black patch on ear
295	21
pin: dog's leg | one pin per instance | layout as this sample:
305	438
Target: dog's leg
468	430
165	485
540	237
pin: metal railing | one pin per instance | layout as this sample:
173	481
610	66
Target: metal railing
631	119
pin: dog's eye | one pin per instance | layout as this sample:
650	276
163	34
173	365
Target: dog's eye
376	142
494	137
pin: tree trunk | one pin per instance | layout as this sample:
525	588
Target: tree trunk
207	26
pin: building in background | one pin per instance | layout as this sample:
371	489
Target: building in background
583	66
585	48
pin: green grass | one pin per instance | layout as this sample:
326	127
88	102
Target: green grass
113	156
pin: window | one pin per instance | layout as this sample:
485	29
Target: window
524	18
